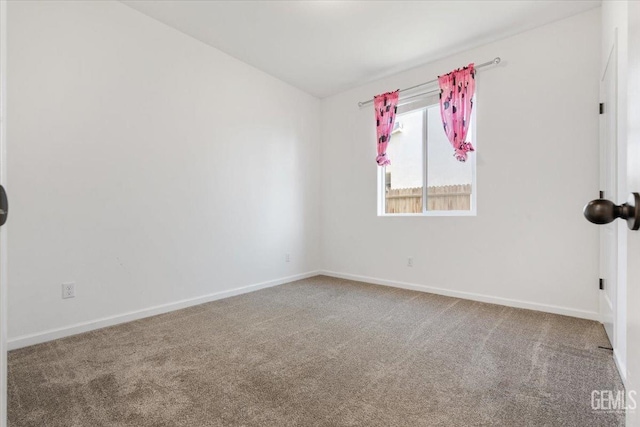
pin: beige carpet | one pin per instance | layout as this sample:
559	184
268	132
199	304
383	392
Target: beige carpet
321	352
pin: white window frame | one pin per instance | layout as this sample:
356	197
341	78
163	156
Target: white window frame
425	213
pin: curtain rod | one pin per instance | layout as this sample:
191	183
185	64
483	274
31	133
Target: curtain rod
495	60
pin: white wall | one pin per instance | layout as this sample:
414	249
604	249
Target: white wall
129	179
147	167
537	163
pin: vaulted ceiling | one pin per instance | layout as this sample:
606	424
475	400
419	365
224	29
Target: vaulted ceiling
324	47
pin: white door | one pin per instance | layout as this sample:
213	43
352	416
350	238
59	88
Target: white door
633	237
3	232
608	185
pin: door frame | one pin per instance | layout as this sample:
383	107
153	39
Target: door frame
609	234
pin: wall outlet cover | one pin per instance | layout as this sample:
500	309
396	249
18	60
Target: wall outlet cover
68	290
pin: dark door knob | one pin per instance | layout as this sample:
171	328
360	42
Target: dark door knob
602	211
4	206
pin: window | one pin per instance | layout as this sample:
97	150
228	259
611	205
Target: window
424	178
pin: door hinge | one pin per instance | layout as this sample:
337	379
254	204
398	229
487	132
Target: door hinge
602	108
601	284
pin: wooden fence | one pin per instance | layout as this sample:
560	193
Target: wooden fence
443	198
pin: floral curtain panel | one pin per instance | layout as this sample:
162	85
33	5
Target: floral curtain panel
456	102
386	106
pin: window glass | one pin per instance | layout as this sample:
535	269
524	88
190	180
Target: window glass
449	180
424	177
405	174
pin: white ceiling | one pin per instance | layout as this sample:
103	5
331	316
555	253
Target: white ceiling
325	47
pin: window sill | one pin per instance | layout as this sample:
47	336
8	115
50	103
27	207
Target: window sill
430	214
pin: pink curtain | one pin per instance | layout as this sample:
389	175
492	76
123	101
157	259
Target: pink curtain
456	101
386	106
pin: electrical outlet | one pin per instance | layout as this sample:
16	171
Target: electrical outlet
410	261
287	257
68	290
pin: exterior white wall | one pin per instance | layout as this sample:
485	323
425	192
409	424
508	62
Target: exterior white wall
405	152
147	167
537	163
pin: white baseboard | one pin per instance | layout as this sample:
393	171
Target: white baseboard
78	328
566	311
622	369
